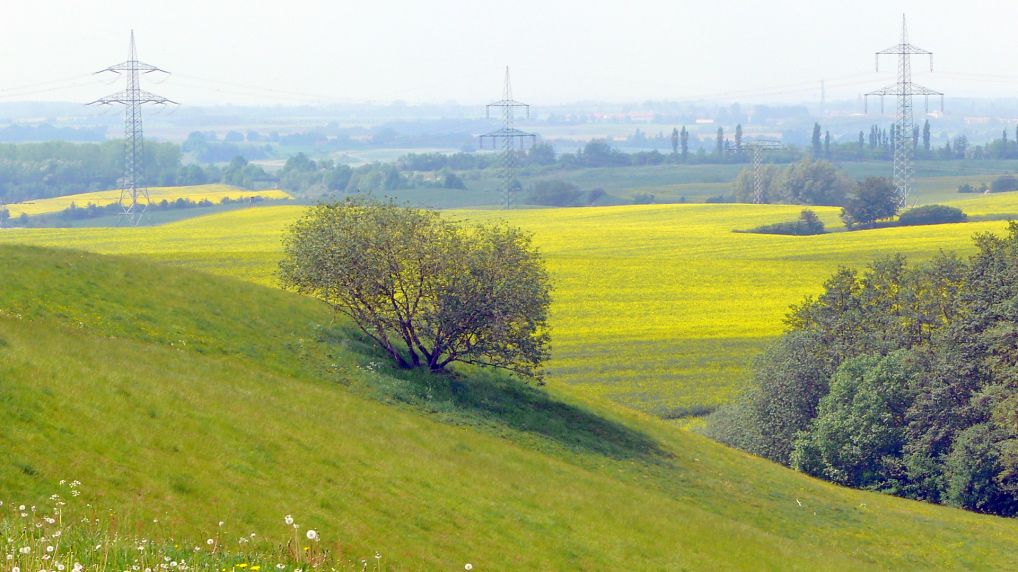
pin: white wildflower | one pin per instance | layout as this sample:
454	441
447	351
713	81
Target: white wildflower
311	534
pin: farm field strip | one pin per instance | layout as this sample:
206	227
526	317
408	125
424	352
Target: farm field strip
214	193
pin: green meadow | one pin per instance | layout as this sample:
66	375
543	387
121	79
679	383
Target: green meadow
179	385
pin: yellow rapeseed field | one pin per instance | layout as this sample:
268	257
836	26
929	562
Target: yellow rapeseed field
214	193
658	307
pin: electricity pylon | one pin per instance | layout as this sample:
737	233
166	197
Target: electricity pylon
904	89
508	135
134	199
758	146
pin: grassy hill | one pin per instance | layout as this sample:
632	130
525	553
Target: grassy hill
176	395
659	307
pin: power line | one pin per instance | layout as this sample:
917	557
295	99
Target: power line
508	135
132	98
904	89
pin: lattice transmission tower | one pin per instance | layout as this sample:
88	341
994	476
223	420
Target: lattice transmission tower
758	146
904	89
511	139
134	198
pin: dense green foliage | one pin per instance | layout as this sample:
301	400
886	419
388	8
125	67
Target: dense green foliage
427	291
559	193
807	224
932	214
40	170
874	199
807	182
1004	183
901	379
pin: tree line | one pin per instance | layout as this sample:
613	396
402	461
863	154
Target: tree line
900	378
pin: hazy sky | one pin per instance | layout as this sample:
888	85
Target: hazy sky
559	51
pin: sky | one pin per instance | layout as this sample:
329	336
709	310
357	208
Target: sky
303	52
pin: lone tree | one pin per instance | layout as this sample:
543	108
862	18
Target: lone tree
427	291
875	198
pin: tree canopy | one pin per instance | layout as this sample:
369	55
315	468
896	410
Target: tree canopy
901	378
874	198
429	292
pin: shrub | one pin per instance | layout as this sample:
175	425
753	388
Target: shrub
555	193
1004	183
719	199
931	214
643	199
807	224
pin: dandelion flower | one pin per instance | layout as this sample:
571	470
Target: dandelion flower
312	534
469	566
49	549
210	542
288	520
377	556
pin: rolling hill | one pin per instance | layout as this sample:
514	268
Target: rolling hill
192	398
657	307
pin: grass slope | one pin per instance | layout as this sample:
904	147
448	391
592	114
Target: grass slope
657	307
191	398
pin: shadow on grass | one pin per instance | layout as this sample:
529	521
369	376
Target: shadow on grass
493	399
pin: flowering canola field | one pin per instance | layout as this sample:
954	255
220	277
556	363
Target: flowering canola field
213	193
658	307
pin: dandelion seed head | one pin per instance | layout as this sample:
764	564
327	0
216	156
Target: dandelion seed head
312	534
